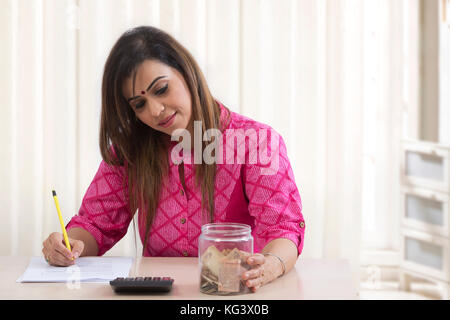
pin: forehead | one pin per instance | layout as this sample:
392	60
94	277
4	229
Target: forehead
146	72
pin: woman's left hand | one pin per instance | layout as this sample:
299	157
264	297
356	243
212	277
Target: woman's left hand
263	270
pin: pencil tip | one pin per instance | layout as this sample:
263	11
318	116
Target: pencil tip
54	193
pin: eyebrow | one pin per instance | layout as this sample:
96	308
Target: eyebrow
148	88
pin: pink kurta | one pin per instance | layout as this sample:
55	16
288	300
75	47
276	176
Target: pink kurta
269	203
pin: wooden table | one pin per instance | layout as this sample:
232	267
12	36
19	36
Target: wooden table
310	279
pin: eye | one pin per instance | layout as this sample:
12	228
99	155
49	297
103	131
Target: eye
139	104
162	90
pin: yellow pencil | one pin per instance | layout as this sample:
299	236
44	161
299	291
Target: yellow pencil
66	238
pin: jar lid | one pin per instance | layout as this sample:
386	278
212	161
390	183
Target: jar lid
227	229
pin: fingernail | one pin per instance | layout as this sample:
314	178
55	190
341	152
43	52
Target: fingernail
76	255
250	260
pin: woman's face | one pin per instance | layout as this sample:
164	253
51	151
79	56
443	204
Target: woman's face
161	98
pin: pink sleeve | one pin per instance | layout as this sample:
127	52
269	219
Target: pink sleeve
104	212
274	200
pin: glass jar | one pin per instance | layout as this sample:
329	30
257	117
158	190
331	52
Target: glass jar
223	249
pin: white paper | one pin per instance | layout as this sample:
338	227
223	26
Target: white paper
86	269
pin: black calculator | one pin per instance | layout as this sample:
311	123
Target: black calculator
142	284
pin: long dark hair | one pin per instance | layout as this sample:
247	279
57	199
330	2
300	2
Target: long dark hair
143	151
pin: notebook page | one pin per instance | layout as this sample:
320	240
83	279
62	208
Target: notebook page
86	269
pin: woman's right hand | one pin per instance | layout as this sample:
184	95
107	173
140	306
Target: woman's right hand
56	253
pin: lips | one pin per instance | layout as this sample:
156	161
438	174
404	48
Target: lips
167	120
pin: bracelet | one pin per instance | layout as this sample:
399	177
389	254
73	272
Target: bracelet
281	260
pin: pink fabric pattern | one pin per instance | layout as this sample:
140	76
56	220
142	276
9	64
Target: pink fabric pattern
270	204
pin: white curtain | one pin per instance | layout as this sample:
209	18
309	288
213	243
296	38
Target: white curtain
324	73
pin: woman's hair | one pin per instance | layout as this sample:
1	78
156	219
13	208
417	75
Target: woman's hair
143	151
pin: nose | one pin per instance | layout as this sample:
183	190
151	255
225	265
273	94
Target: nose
156	110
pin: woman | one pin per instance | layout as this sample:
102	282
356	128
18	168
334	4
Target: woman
152	90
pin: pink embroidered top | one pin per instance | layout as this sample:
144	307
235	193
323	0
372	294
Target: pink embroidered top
244	193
